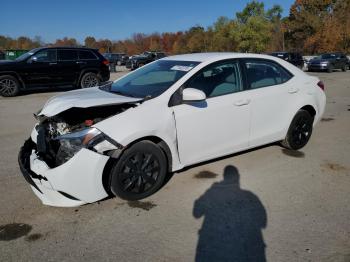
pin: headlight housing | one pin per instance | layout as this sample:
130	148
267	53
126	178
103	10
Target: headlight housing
89	138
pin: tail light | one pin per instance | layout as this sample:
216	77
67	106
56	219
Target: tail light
321	85
105	62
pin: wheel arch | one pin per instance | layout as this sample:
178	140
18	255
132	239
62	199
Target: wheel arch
310	109
87	70
15	75
156	140
161	143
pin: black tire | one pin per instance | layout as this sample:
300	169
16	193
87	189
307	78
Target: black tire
139	172
9	86
343	68
89	80
299	131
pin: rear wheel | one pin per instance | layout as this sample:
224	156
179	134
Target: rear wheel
9	86
89	80
139	172
299	131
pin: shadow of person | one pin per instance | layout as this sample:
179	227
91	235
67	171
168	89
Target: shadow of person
233	222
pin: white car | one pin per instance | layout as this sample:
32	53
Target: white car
125	137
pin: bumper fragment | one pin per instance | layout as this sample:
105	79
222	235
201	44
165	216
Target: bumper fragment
74	183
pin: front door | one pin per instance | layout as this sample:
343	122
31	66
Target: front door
219	125
40	69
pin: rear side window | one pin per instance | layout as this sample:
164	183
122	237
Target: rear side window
263	73
87	55
67	54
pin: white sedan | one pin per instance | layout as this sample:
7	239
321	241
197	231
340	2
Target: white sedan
125	137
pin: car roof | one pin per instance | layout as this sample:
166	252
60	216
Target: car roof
204	57
67	47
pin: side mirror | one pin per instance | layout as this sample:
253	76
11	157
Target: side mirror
33	59
192	94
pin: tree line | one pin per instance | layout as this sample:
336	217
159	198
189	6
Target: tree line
313	26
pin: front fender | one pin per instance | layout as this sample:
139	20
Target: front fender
148	119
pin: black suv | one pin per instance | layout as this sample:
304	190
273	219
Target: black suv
56	66
328	62
143	59
116	58
292	57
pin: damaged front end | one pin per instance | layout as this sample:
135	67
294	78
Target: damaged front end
60	137
65	157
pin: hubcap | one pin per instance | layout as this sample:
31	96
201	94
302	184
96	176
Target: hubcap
139	173
90	81
7	86
301	131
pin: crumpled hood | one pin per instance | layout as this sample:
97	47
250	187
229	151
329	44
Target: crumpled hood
83	98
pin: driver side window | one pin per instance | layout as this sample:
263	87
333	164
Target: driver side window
46	56
217	79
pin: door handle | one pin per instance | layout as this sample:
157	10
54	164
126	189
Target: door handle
53	63
293	90
80	62
242	102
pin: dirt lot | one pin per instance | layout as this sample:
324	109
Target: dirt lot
299	202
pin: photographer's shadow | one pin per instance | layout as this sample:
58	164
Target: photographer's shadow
233	222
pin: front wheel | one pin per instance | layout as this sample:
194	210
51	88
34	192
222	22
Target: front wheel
89	80
9	86
140	171
299	131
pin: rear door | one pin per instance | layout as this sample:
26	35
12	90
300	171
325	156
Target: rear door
68	66
272	99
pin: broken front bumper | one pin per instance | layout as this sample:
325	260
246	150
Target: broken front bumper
76	182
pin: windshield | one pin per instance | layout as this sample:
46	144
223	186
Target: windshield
153	79
26	55
327	56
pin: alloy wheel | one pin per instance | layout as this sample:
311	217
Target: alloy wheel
90	81
7	86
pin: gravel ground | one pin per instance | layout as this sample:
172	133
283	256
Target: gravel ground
296	206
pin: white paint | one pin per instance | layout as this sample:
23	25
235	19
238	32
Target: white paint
193	131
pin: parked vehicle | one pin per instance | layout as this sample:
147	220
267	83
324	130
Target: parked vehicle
328	62
292	57
124	139
12	54
2	55
143	59
116	58
59	66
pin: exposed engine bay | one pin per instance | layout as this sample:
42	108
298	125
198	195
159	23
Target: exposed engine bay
63	135
76	119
